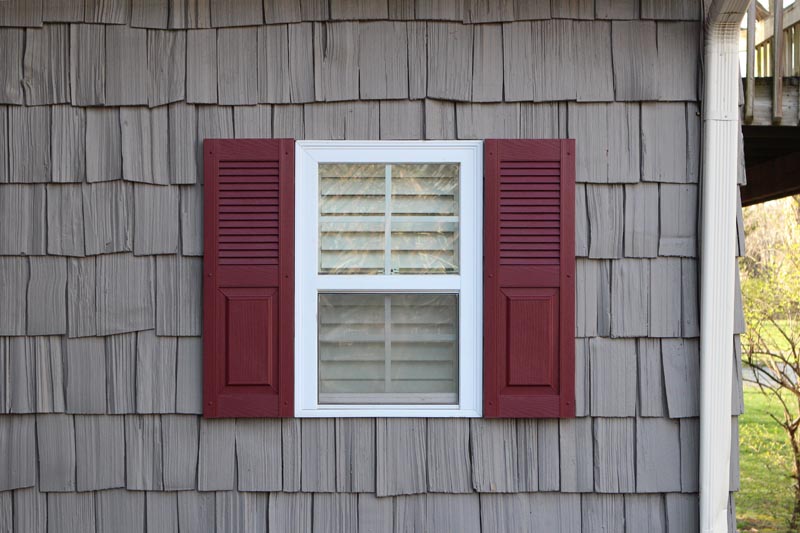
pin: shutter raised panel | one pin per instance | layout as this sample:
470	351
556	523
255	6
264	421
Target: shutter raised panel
248	309
529	278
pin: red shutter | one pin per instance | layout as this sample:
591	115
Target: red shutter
529	278
248	289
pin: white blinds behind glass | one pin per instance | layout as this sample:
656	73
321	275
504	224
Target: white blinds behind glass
388	218
388	348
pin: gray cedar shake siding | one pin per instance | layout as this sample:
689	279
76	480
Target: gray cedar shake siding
103	106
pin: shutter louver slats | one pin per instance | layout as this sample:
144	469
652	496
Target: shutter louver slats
248	283
529	282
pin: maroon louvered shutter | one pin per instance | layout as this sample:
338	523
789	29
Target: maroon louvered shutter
248	289
529	278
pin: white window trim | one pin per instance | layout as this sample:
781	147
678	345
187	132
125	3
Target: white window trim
308	154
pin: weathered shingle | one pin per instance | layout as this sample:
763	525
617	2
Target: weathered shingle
576	455
609	137
241	512
383	72
197	511
635	56
121	373
47	291
520	47
145	144
282	11
46	65
630	298
150	13
573	9
359	9
453	512
183	143
67	145
143	453
658	457
671	9
290	440
155	229
556	512
450	50
683	512
179	436
217	455
375	514
440	10
120	510
440	119
29	144
3	144
547	451
449	468
236	13
617	9
690	301
681	360
21	13
107	11
527	456
336	53
480	121
72	512
290	512
14	274
355	455
30	511
237	76
487	72
604	205
126	66
644	513
505	512
478	11
593	312
555	75
273	63
679	51
301	63
99	452
23	217
641	220
18	450
103	145
166	64
189	389
108	217
335	513
651	394
201	66
162	511
12	46
613	377
81	294
317	455
251	122
664	142
155	373
493	446
124	294
593	70
665	300
19	375
614	452
417	59
87	66
678	220
258	455
401	120
582	377
47	353
401	456
85	369
178	292
213	122
62	11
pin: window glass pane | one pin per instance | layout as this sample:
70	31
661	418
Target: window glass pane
389	218
388	348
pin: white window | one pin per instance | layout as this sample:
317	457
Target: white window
388	278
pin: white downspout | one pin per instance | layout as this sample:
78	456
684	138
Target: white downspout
717	256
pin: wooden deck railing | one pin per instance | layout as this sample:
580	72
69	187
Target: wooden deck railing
776	56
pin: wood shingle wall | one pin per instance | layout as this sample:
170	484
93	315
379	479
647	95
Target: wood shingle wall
103	105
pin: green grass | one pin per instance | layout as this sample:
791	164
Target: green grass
777	339
764	503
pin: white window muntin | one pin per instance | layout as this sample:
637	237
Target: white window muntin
467	283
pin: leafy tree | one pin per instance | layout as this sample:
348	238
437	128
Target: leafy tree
771	295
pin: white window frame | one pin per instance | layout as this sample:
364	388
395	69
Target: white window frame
468	283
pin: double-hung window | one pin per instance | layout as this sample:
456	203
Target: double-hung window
388	256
